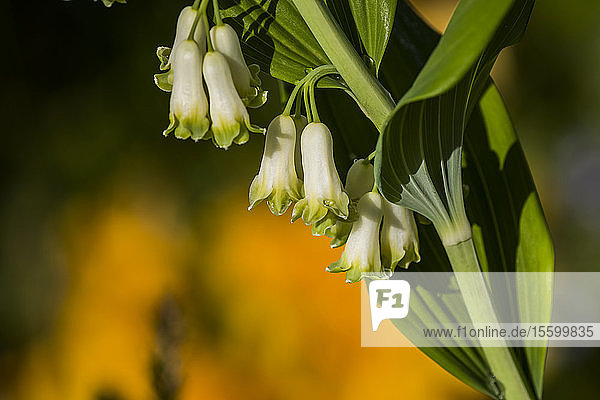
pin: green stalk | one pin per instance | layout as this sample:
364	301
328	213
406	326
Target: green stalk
373	99
377	105
479	306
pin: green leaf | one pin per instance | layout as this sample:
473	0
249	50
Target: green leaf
275	37
510	231
419	154
374	21
507	217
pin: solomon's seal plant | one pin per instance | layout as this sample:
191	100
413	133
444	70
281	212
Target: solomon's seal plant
424	123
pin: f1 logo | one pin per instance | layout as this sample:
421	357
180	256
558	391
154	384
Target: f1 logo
389	299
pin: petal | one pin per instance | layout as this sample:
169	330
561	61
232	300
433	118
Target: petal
231	122
310	211
164	81
259	190
360	179
188	98
279	201
339	266
361	254
320	227
163	53
339	233
224	134
399	237
226	42
321	181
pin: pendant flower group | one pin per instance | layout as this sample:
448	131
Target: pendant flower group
378	235
298	164
232	85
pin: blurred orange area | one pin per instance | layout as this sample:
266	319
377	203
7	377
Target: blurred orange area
255	315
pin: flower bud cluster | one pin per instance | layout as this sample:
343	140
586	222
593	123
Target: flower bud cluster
232	86
378	235
298	164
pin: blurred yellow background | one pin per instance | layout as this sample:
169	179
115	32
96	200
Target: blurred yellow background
280	327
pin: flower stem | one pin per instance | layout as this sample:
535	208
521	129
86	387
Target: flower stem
307	105
475	294
209	43
373	99
200	14
313	101
312	76
218	19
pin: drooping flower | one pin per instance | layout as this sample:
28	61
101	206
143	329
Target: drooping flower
359	181
399	237
245	79
230	119
361	255
277	181
185	22
322	185
189	106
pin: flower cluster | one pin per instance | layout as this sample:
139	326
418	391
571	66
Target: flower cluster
378	235
298	164
232	85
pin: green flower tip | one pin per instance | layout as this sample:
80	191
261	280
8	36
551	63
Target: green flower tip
320	227
354	275
411	254
164	54
256	97
227	134
310	210
354	271
340	207
109	3
279	199
185	129
164	81
339	233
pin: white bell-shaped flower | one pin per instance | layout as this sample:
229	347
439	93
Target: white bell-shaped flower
189	106
359	181
277	181
226	42
230	119
185	22
399	237
322	186
361	255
